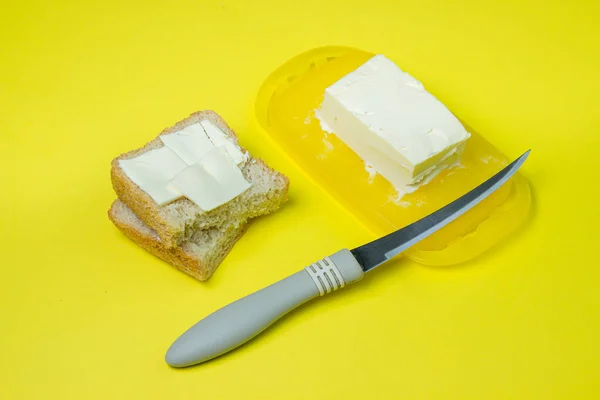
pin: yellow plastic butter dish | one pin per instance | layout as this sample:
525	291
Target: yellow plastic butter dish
285	108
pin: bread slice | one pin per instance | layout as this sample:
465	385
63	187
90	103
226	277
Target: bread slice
176	223
198	256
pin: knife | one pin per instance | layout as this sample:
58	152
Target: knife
240	321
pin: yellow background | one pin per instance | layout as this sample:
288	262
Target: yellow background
86	314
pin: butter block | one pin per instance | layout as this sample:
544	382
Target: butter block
388	118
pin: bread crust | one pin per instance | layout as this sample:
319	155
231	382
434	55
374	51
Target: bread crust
176	256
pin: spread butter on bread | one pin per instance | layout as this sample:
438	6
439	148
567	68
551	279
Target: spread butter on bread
177	229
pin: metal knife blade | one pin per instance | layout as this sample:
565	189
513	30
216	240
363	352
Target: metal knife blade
381	250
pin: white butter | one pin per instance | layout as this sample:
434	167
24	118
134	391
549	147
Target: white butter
196	185
199	162
390	120
190	143
223	169
152	171
214	181
195	141
219	139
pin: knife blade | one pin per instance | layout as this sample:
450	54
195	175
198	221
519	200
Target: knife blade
240	321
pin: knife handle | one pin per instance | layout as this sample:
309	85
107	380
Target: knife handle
240	321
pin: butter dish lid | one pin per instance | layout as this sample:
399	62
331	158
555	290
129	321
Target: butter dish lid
285	108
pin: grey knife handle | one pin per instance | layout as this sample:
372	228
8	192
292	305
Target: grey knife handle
240	321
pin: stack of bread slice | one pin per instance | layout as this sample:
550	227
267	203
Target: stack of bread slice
180	232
